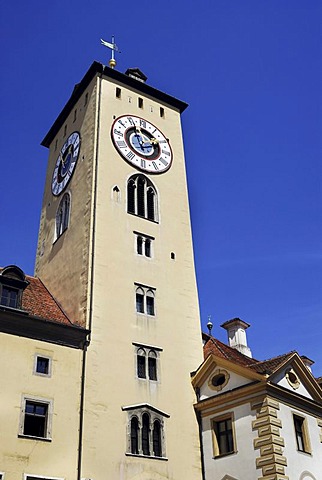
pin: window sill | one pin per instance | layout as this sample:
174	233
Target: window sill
144	218
137	455
30	437
305	452
222	455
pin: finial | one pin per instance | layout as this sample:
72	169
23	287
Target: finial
114	48
209	324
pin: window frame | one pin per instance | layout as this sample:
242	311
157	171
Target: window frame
62	221
141	413
48	420
141	240
147	352
304	434
217	453
142	294
142	198
46	357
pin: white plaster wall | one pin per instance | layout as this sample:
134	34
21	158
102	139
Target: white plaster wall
299	462
235	381
281	380
57	458
240	465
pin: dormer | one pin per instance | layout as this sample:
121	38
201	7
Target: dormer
137	74
12	284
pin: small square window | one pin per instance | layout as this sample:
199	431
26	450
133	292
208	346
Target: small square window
42	365
9	297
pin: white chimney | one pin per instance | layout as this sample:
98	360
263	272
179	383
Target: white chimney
236	329
307	362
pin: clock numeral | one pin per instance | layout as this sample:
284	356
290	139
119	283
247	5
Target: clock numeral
121	123
154	131
142	163
142	123
165	163
121	144
155	166
162	141
117	132
130	155
165	152
130	120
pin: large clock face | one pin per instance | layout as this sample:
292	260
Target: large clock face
141	144
66	163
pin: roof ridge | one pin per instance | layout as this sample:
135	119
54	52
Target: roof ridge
282	355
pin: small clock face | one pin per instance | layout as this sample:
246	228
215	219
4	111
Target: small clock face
141	144
66	163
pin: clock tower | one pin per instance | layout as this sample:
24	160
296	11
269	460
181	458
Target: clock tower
115	249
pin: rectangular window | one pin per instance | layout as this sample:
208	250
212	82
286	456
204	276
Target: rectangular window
9	297
35	418
140	102
301	434
223	436
118	92
161	112
85	99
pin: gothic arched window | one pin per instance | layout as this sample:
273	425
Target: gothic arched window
145	434
142	197
157	450
62	215
134	435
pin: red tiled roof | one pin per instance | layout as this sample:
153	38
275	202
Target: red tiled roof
37	301
224	351
216	347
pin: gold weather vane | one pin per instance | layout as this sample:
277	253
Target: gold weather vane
114	48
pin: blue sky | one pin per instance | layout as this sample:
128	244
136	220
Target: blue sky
251	72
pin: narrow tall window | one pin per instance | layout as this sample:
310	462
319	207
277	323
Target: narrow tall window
118	92
301	434
145	434
142	197
130	196
140	300
147	247
134	435
150	203
139	243
157	450
223	436
62	215
161	112
150	302
152	365
141	369
140	102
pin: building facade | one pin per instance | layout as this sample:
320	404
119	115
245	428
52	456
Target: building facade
259	420
115	251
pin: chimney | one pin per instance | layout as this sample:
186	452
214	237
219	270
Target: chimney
236	329
307	362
